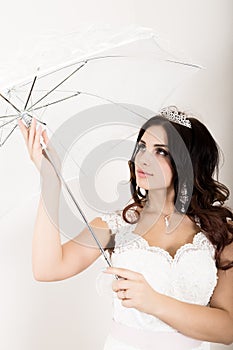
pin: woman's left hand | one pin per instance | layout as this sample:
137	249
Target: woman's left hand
133	290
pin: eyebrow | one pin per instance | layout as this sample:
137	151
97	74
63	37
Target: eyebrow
155	145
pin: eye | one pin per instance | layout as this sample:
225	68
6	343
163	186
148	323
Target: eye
141	147
161	151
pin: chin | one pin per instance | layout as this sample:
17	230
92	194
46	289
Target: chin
143	184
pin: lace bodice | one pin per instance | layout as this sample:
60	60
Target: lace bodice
190	276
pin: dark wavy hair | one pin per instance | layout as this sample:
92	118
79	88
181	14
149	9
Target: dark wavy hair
194	157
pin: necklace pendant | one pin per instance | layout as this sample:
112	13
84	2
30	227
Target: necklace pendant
166	221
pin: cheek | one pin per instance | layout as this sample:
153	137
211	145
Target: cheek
168	174
163	168
160	167
166	166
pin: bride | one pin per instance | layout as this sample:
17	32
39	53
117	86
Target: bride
173	244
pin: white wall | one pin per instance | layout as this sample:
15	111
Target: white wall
70	314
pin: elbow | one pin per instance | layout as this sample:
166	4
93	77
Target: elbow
229	340
38	273
40	276
43	273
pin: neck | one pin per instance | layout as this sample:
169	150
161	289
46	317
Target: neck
160	205
160	202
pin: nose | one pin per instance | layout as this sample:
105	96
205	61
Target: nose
146	157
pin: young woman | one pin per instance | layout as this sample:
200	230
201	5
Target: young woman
173	244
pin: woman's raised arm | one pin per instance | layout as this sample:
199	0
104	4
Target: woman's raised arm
51	260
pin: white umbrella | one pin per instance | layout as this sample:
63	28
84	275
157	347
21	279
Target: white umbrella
117	79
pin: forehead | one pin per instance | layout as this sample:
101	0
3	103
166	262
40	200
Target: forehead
155	134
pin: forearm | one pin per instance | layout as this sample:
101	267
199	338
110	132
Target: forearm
195	321
46	243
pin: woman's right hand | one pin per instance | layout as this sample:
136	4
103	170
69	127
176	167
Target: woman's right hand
32	137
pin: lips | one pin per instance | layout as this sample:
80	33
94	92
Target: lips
140	171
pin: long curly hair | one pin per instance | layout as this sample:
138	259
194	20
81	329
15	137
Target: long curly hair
194	157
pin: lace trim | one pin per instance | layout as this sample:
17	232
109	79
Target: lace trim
200	242
126	239
114	220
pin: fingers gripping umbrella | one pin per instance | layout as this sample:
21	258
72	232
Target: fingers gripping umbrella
126	69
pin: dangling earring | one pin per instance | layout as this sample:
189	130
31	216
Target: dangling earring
183	197
140	193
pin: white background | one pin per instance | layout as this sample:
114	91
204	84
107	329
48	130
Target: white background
69	314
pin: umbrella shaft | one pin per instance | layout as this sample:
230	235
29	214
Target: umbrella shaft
45	152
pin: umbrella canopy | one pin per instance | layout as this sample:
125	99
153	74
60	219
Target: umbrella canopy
103	94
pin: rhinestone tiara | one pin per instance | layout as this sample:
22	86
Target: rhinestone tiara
174	115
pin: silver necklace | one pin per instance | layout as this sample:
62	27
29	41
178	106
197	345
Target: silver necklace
165	217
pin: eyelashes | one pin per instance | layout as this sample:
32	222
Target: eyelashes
162	152
158	150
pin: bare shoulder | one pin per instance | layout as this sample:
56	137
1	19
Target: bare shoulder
98	222
222	297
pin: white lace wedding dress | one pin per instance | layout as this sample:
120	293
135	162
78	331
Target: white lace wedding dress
190	276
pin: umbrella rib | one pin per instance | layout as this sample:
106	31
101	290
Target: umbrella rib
54	102
2	143
184	63
10	121
6	99
74	64
113	102
8	116
1	126
50	91
30	92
